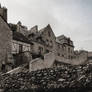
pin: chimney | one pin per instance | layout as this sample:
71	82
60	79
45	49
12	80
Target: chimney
3	12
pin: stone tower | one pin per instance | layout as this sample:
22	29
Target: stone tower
3	12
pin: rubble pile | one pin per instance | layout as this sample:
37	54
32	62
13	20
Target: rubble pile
66	76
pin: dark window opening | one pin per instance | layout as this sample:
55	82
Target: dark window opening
3	67
47	51
58	54
49	34
40	50
62	55
69	50
20	48
47	40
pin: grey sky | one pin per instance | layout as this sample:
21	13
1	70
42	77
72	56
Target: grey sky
72	18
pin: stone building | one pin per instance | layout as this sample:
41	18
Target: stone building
19	28
43	40
5	42
21	46
40	48
48	38
68	47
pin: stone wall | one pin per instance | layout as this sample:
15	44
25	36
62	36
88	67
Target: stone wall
37	48
80	58
50	58
5	42
22	29
39	63
22	58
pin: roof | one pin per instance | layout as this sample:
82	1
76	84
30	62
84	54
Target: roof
20	37
45	28
61	37
57	40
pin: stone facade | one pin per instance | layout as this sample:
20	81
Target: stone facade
5	45
67	46
48	38
19	28
21	49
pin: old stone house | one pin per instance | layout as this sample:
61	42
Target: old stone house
38	45
68	47
21	46
5	42
48	38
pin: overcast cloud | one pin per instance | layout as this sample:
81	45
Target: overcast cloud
72	18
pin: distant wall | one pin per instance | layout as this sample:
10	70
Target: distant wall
80	58
63	60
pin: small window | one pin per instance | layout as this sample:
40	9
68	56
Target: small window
58	54
40	50
47	51
3	67
51	42
69	50
62	55
49	34
20	48
47	40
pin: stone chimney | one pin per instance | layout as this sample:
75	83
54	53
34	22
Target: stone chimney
3	12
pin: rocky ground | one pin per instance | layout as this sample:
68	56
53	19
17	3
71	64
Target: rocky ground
66	76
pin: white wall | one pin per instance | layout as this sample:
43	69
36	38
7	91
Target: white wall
15	46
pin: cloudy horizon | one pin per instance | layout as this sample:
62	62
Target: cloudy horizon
73	18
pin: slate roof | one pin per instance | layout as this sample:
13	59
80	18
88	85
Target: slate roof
20	37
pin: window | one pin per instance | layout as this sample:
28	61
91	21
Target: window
49	34
62	55
47	42
47	51
3	67
40	50
20	48
58	54
69	50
